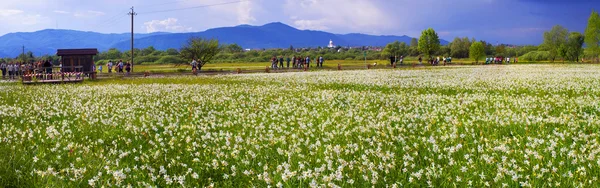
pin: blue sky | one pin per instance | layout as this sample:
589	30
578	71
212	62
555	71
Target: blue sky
497	21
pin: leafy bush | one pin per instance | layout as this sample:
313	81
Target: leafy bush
102	62
536	56
170	59
146	59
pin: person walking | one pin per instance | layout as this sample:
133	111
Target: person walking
273	62
100	68
294	62
307	61
288	62
120	66
109	65
10	71
17	69
281	62
194	64
3	69
128	68
321	60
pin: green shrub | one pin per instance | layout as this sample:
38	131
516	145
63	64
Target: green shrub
535	56
146	59
170	59
102	62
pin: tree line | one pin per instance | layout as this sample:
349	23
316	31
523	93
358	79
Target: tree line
558	43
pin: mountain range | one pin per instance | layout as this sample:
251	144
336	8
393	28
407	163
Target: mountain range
272	35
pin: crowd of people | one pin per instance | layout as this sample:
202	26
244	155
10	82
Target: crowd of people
396	60
119	67
295	62
500	60
13	70
437	61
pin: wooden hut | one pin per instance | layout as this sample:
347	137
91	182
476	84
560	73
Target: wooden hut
78	60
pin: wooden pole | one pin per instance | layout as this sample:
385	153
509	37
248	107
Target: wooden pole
132	14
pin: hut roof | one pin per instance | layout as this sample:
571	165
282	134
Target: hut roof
69	52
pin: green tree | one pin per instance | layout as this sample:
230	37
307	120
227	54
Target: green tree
413	47
404	49
148	51
459	47
111	54
526	49
500	50
234	48
126	55
172	51
573	48
592	35
477	51
429	42
23	58
553	39
414	43
489	48
391	49
201	49
443	51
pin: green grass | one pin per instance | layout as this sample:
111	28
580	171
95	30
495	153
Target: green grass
330	64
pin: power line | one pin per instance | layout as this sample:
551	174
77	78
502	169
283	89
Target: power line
195	7
114	17
167	3
112	20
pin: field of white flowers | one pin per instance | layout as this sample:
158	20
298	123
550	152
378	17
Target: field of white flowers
494	126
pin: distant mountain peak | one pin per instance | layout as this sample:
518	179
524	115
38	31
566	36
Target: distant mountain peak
279	26
276	23
244	25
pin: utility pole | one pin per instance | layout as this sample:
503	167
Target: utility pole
132	14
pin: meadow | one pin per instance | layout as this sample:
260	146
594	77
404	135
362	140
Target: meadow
246	66
459	126
329	64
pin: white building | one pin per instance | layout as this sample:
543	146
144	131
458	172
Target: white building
330	44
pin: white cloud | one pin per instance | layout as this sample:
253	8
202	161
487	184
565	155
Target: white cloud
32	19
244	13
337	15
89	13
19	17
96	13
320	24
9	12
167	25
61	12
